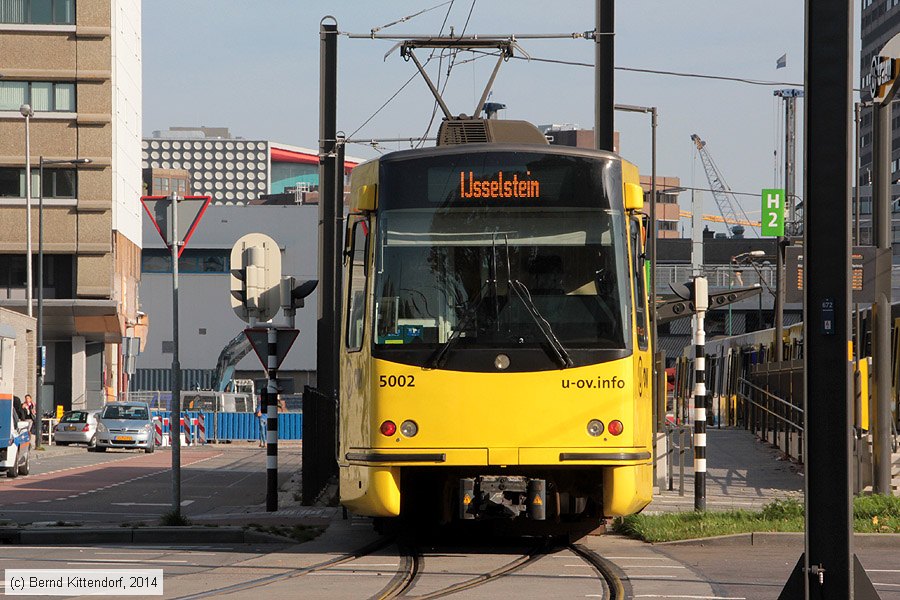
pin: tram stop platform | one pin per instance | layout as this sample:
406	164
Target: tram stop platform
742	473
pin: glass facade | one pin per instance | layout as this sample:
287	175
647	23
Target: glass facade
43	96
58	183
159	260
37	12
288	175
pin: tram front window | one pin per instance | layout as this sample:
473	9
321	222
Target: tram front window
486	277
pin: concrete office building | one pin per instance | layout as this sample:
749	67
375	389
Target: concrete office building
256	186
78	66
880	22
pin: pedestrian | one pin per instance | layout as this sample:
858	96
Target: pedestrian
263	423
29	409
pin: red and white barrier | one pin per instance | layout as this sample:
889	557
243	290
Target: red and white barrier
158	433
200	424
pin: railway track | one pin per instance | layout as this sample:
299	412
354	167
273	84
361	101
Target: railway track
262	581
410	573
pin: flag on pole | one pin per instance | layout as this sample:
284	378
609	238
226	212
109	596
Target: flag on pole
781	62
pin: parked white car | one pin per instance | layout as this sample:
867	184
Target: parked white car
77	427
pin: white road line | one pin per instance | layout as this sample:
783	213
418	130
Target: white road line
652	567
887	584
636	558
882	570
574	575
691	597
333	573
651	577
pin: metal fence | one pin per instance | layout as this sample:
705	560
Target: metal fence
223	426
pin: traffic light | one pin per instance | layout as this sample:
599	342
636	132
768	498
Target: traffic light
255	277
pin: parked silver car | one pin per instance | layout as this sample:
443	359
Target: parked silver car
125	425
77	427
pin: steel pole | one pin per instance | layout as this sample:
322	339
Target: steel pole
826	569
604	72
701	299
29	284
327	319
38	395
175	420
881	310
271	399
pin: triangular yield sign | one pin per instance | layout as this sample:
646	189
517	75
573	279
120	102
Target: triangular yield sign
259	339
190	211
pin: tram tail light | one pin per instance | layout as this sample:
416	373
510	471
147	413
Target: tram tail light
388	428
615	427
409	428
595	427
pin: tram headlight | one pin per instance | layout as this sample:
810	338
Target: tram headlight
409	428
616	427
595	428
388	428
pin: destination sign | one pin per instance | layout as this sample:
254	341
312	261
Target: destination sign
499	179
498	187
862	273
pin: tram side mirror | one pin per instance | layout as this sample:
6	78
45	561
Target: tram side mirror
634	197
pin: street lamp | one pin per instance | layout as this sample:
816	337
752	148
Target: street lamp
27	112
744	258
40	275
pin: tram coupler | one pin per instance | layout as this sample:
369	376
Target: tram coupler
537	499
498	496
466	498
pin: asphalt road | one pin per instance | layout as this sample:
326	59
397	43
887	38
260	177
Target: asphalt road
124	486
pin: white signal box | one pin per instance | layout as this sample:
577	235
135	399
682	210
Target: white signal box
255	277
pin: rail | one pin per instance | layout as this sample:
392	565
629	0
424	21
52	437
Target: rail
772	419
681	431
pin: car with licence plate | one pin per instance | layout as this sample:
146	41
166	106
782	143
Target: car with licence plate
77	427
125	425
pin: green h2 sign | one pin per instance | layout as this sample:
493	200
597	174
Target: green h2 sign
773	213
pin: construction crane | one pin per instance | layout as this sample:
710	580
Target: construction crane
729	207
686	214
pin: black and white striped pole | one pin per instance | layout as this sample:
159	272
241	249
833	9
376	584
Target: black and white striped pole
701	303
271	400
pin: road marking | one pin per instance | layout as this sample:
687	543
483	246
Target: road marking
635	558
183	503
652	567
691	597
88	561
651	577
882	570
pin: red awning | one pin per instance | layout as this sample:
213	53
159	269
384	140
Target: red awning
282	155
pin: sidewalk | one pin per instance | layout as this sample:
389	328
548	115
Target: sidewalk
742	473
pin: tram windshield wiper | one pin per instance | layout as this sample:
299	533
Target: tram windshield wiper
437	359
559	351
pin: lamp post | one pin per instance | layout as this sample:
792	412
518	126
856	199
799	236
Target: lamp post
745	258
40	276
27	112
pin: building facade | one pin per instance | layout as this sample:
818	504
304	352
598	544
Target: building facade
78	66
256	186
880	22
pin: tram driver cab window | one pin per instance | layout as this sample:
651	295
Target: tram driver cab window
358	279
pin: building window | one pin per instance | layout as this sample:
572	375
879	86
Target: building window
159	260
38	12
43	96
58	183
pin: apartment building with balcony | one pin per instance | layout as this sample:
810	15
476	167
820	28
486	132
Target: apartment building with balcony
77	64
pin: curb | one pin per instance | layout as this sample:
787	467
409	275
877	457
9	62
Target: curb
50	536
777	538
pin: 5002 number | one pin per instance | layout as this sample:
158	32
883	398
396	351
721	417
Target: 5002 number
397	381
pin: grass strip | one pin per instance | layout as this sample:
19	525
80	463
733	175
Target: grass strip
871	514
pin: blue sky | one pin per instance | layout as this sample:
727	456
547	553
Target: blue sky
254	67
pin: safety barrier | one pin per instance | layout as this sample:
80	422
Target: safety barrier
205	427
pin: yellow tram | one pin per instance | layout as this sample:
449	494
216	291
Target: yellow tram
495	356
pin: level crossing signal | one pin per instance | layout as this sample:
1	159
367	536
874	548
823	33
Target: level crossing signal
255	277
